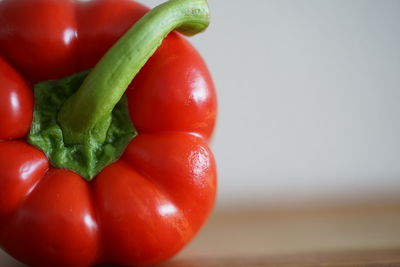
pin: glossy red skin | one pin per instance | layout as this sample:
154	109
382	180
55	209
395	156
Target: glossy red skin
139	210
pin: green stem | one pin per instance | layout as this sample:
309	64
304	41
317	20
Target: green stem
89	109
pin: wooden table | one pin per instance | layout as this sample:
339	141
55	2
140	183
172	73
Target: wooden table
351	235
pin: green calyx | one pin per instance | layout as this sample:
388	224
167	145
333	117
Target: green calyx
88	157
82	121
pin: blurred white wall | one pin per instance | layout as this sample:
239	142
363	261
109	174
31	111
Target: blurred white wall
309	99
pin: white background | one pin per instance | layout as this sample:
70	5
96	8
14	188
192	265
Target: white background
309	99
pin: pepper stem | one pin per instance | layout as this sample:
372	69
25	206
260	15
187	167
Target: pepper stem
88	110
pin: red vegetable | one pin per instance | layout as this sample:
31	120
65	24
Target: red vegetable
144	207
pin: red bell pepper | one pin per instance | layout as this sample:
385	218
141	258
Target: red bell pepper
83	184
